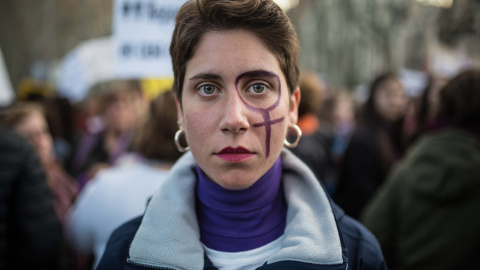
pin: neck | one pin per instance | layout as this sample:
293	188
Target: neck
240	220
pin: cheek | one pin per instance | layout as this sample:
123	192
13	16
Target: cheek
385	105
197	127
382	104
403	104
279	130
279	133
48	142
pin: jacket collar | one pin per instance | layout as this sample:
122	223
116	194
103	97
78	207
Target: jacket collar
169	234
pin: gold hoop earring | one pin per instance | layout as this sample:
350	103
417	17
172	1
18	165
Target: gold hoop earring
299	135
177	141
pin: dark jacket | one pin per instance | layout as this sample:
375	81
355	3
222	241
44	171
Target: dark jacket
427	215
362	248
363	168
30	233
168	229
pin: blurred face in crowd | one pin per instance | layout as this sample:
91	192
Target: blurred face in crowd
391	100
34	128
236	107
120	111
344	111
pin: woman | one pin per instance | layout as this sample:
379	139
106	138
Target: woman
29	229
120	193
28	120
237	199
375	145
121	107
426	215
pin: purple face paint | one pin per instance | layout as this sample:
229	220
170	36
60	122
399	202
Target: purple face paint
267	123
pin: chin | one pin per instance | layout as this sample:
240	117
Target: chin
235	183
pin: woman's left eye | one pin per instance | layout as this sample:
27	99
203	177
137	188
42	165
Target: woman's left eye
257	88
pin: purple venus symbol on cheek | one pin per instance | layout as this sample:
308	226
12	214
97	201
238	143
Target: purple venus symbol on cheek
267	122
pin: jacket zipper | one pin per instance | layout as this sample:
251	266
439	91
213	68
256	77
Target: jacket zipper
148	266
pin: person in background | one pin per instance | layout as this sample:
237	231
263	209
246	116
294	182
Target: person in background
426	214
315	147
58	111
339	114
343	122
238	199
122	106
375	145
28	120
120	193
426	107
60	116
30	233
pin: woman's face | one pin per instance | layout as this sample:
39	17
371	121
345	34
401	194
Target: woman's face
236	107
34	128
391	100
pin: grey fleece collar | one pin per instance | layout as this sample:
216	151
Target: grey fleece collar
169	234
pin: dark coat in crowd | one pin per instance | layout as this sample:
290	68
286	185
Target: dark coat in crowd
363	169
427	215
30	232
315	151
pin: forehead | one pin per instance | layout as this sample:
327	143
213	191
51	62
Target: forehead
391	84
117	94
32	120
231	51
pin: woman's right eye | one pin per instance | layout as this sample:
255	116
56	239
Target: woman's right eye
207	89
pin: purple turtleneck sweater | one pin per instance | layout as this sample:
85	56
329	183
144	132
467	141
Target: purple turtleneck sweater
240	220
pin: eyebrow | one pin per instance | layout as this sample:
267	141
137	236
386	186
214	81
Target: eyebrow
257	73
207	76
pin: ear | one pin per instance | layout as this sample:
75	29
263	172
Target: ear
179	112
294	102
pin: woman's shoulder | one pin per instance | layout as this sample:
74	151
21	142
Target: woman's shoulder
363	249
116	252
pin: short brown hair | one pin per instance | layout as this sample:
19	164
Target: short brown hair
261	17
111	90
312	90
18	112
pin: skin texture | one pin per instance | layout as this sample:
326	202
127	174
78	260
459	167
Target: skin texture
34	129
391	100
235	95
264	112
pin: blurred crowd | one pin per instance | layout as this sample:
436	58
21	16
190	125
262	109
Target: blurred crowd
406	166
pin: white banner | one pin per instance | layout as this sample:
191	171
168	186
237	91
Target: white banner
6	91
142	31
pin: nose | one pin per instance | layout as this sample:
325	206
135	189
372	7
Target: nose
399	102
234	119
